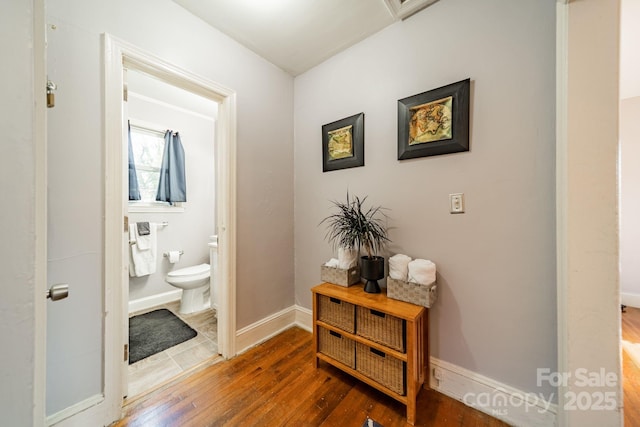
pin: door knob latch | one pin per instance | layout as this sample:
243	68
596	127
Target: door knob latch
58	292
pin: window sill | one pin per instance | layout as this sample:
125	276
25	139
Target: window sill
134	208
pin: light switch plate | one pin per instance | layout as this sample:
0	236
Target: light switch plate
456	203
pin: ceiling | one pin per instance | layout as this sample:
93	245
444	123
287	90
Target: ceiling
297	35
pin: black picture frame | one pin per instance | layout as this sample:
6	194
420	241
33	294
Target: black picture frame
351	127
432	103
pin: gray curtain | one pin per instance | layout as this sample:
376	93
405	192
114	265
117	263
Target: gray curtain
172	186
134	189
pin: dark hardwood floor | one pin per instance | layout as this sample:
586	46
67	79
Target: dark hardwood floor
631	371
275	384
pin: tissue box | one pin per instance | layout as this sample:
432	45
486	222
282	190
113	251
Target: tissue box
424	295
338	276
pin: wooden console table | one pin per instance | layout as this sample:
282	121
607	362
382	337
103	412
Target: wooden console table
378	340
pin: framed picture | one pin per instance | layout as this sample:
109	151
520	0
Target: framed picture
434	122
343	143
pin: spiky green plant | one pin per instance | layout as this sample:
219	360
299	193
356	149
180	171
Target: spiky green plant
354	227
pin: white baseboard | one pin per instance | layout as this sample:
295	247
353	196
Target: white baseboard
154	300
262	330
304	318
270	326
59	417
632	300
499	400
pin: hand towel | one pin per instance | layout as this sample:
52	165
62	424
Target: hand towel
422	272
144	235
347	258
143	228
399	267
142	262
333	262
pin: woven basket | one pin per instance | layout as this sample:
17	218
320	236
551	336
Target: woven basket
412	292
337	347
338	276
337	313
382	368
381	328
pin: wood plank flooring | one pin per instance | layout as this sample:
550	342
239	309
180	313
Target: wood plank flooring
275	384
630	370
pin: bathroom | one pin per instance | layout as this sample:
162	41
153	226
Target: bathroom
185	231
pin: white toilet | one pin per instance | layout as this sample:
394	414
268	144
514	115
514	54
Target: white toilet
194	282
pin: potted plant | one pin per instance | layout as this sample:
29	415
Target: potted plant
356	227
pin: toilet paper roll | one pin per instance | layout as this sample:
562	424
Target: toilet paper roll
174	256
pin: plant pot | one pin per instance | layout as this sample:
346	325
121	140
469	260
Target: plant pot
372	269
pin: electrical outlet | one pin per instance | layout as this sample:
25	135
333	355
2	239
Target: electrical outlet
456	203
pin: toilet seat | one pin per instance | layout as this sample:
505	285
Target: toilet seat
193	272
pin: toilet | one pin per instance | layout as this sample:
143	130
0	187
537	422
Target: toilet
194	282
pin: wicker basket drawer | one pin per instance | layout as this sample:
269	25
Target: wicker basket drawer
337	313
337	346
382	368
381	328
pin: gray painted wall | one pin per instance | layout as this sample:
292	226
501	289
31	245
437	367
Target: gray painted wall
496	313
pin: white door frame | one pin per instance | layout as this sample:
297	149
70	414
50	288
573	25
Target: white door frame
588	291
118	56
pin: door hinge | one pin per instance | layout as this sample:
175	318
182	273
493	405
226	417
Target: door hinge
126	223
126	352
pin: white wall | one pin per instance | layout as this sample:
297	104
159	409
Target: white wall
188	231
630	201
77	181
496	263
18	176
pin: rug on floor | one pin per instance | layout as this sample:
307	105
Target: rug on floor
156	331
370	423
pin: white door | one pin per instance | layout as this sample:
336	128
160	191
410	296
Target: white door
77	377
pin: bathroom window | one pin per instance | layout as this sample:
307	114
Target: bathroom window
148	147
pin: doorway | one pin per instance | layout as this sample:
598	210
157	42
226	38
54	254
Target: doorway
182	233
121	56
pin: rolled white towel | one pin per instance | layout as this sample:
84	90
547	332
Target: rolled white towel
422	272
399	267
333	262
347	258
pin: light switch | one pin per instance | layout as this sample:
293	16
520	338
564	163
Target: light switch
456	203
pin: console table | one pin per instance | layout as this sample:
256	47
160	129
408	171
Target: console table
378	340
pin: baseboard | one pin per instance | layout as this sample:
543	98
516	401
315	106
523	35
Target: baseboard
631	300
304	318
59	417
154	300
499	400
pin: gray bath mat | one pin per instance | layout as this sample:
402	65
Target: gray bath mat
156	331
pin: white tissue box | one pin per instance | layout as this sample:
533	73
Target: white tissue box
424	295
338	276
